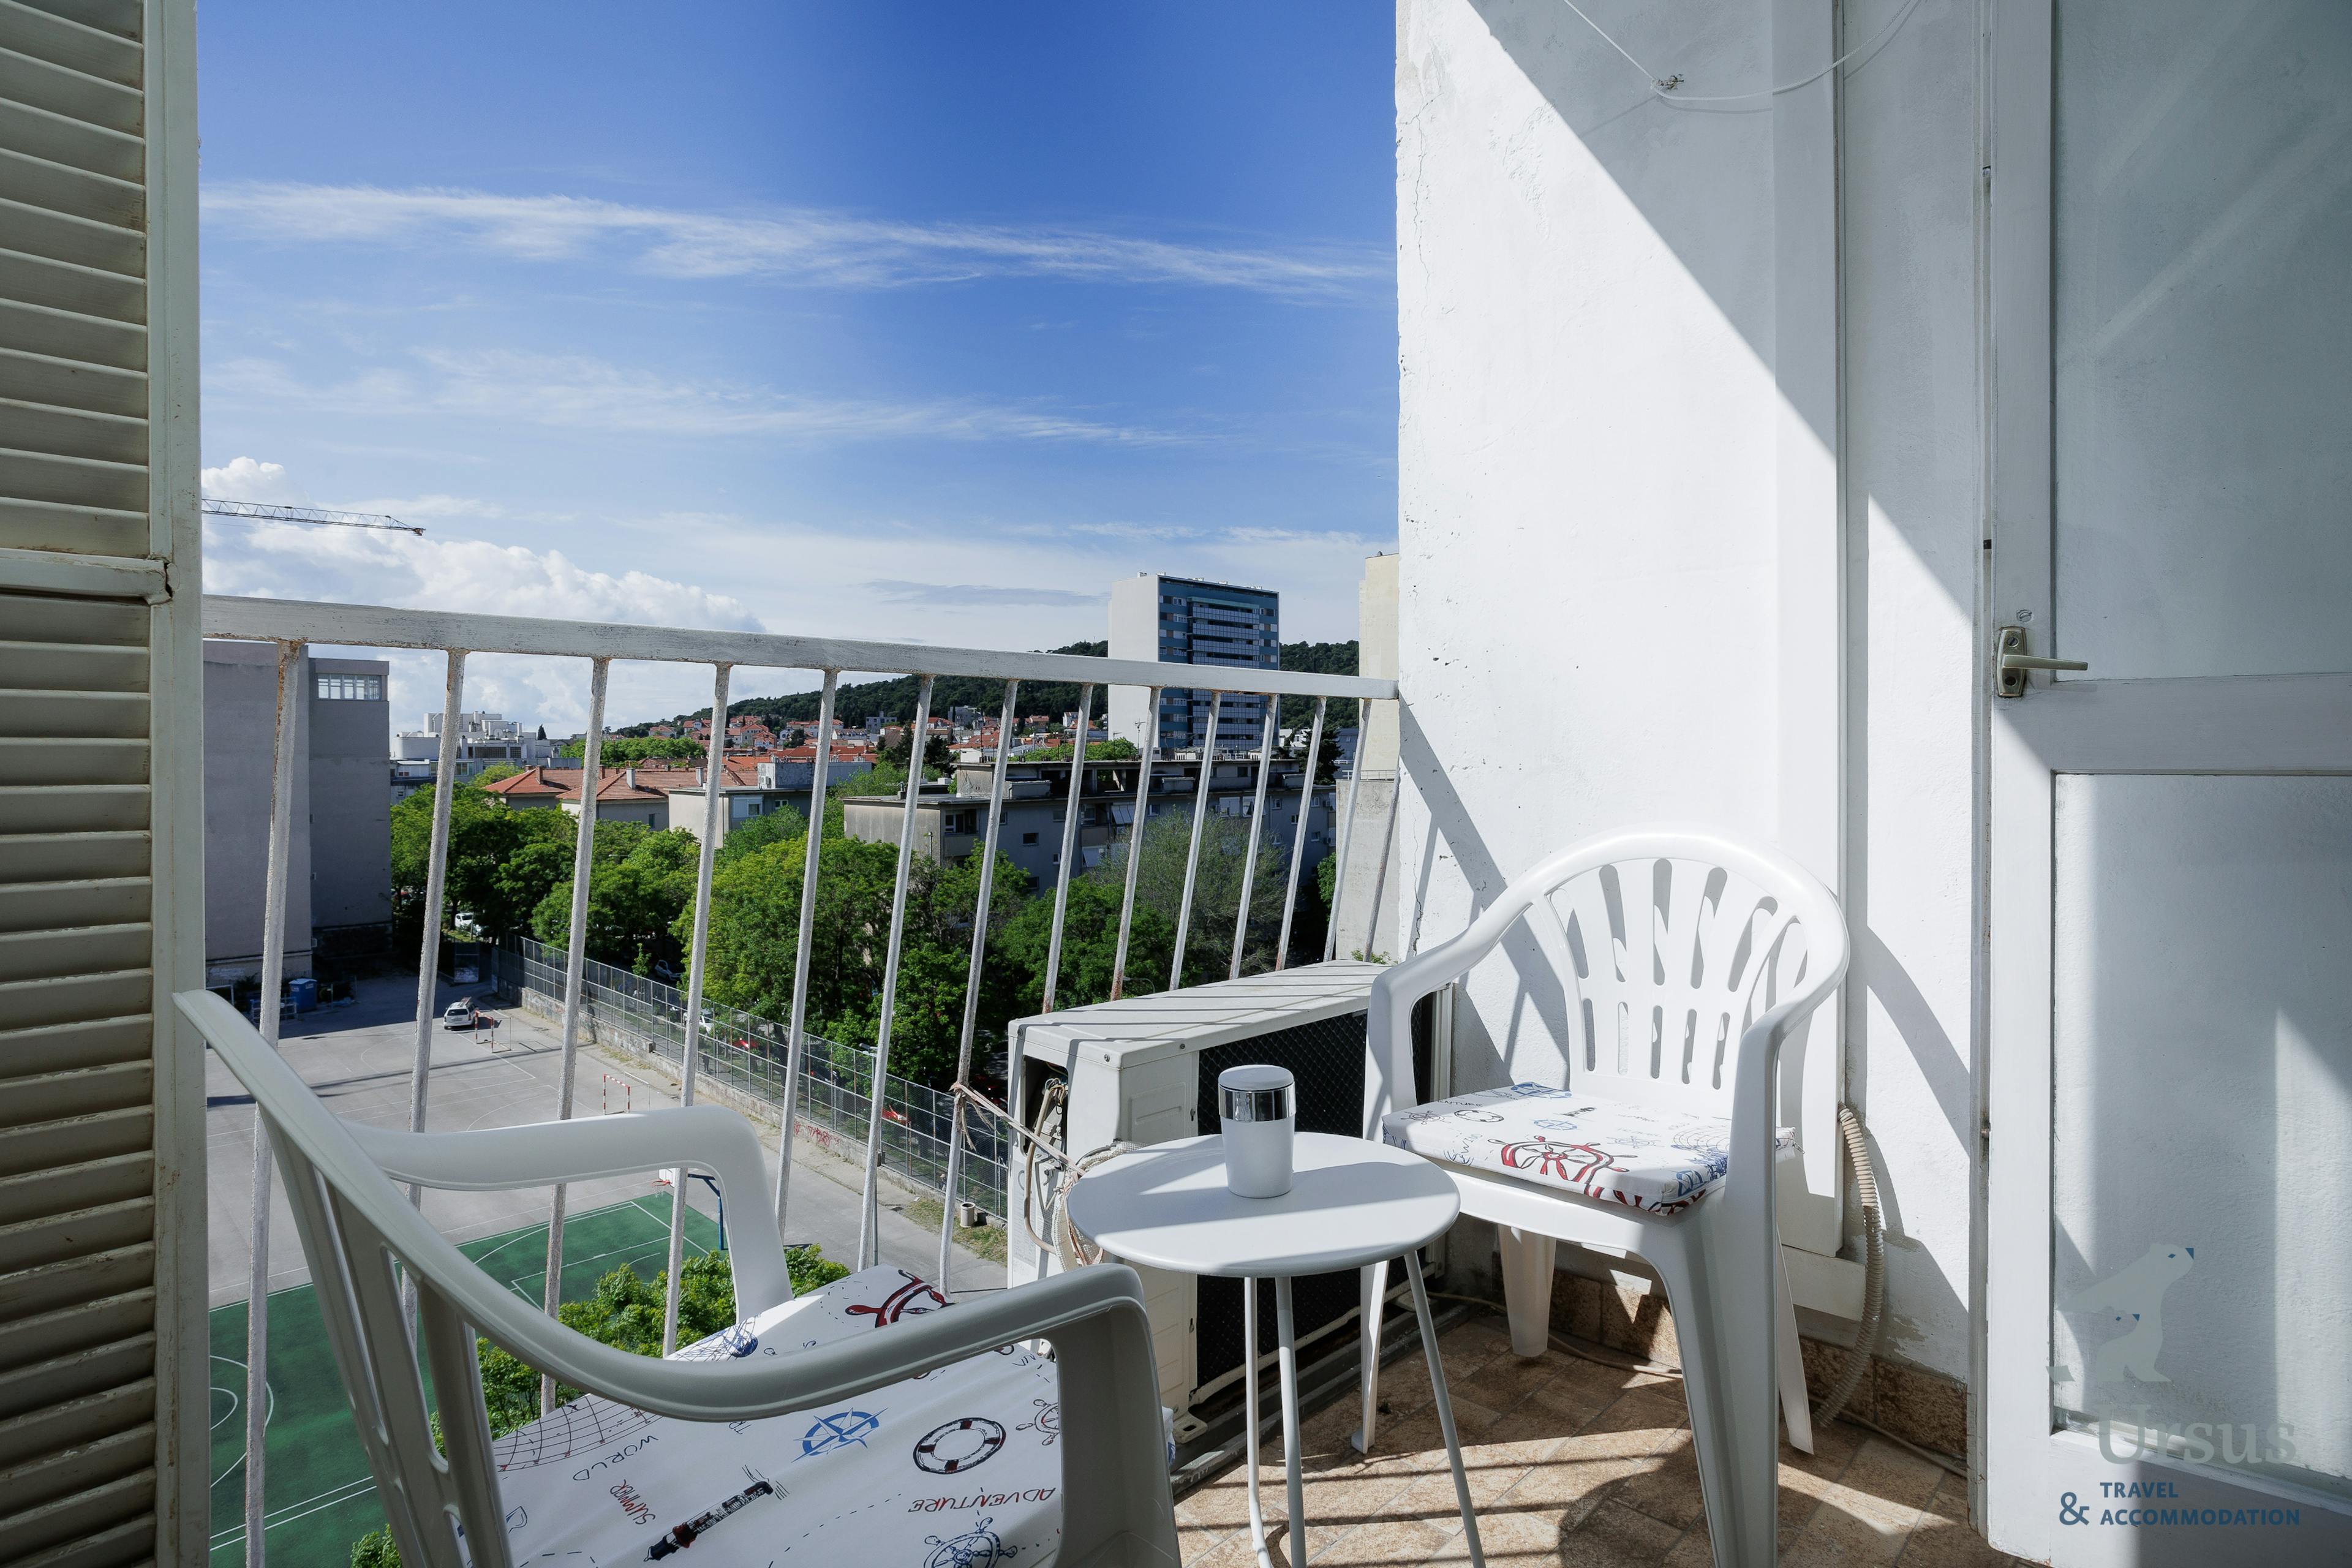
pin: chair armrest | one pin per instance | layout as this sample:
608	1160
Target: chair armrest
703	1137
1387	1016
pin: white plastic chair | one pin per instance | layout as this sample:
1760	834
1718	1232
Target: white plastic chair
354	1222
1686	961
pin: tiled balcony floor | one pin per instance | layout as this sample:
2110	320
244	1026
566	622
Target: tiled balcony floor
1570	1463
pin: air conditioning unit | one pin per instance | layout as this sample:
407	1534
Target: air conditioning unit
1144	1069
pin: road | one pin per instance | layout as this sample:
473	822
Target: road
359	1058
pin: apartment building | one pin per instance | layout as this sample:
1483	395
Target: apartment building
339	870
1182	620
484	741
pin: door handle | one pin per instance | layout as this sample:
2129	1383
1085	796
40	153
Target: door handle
2012	661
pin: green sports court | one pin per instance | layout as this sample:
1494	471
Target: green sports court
321	1498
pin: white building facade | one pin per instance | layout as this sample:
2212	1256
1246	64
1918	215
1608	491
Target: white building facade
1747	407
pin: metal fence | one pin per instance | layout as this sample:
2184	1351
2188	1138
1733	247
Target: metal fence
746	1052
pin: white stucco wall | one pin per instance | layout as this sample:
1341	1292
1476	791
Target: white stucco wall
1592	576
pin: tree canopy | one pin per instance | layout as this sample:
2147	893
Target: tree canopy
620	751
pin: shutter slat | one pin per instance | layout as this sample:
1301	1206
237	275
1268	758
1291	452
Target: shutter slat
65	666
82	1279
77	433
73	999
73	951
65	1520
120	18
37	855
91	902
54	1239
37	1194
78	193
130	1544
87	1465
80	1091
64	139
45	36
42	760
71	384
69	1048
71	286
93	621
27	1342
44	84
49	477
69	335
96	715
60	236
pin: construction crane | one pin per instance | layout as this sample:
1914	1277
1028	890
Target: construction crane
261	512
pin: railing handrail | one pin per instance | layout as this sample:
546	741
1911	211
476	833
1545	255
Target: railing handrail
378	626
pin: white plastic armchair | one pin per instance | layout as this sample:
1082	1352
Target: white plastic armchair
354	1222
1686	961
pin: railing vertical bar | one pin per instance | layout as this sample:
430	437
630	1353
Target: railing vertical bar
714	807
1388	845
1347	837
428	958
273	981
797	1033
1257	823
1192	855
1069	843
1135	840
575	959
870	1229
987	851
1298	837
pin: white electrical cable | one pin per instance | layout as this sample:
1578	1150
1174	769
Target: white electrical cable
1663	89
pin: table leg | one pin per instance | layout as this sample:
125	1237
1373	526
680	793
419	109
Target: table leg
1445	1408
1249	1415
1295	1543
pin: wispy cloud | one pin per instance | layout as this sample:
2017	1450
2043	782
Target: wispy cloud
574	392
900	592
789	246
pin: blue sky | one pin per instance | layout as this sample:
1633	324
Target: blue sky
912	321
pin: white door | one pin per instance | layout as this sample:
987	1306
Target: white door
2169	1338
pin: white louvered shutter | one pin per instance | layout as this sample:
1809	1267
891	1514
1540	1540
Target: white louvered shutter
102	1342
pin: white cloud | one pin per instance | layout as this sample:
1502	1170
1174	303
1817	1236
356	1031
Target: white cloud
574	392
246	480
793	245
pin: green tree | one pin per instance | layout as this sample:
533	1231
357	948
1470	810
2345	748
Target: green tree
1089	946
639	884
487	836
1118	748
1216	893
758	831
620	751
754	936
938	756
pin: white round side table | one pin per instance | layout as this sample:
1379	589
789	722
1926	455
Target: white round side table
1351	1203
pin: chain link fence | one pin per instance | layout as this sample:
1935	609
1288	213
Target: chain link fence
747	1053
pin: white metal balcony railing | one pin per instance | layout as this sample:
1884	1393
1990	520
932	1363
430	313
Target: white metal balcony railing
295	625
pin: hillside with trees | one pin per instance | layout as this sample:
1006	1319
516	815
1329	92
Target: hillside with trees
895	698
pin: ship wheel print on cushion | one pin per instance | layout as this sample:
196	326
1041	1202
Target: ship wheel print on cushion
913	1296
955	1447
843	1428
1047	1423
1543	1158
979	1547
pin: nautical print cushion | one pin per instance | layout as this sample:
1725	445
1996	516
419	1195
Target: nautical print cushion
956	1468
1642	1156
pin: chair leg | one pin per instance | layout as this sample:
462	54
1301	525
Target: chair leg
1738	1473
1528	1261
1372	1291
1796	1407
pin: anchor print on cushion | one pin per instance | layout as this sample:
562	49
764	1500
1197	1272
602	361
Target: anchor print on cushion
1643	1157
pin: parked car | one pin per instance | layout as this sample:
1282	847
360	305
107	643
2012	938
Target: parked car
459	1014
